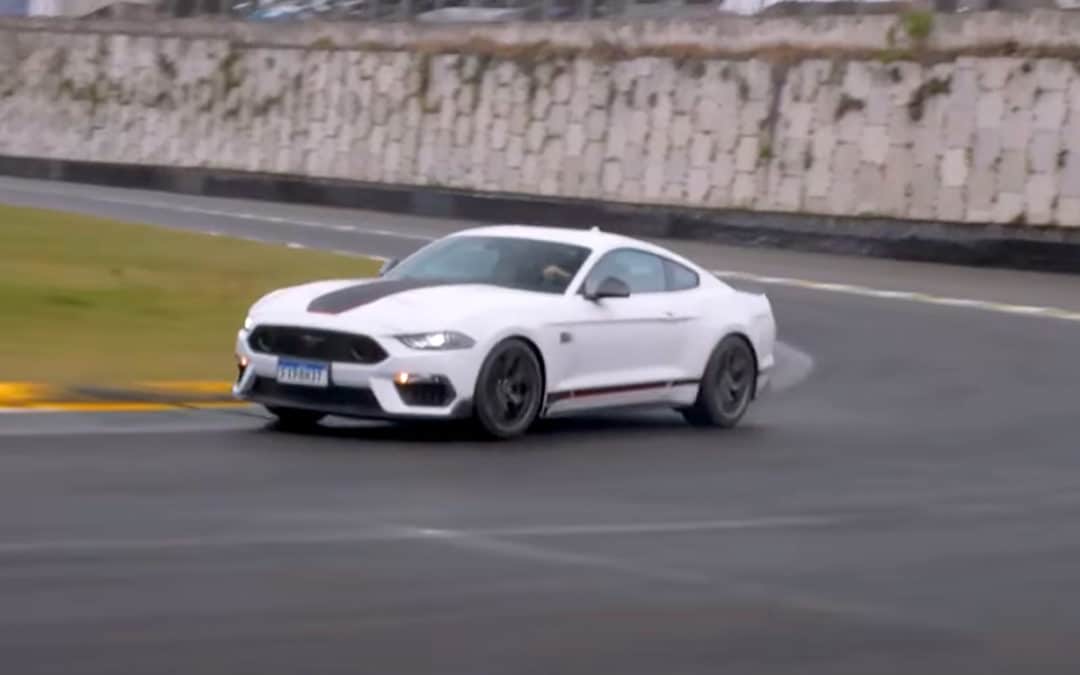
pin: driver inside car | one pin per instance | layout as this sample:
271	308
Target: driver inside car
561	271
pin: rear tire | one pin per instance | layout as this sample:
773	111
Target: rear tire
727	386
295	419
509	391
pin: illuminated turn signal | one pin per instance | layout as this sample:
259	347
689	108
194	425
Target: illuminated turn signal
401	378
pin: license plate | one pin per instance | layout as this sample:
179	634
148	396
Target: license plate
303	373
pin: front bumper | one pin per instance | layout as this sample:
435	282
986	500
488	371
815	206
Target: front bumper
440	386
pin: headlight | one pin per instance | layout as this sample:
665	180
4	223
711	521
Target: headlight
438	340
249	324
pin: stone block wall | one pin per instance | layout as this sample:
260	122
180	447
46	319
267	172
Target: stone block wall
978	138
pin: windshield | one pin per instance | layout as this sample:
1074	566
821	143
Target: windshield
512	262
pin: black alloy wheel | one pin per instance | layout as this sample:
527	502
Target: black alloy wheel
727	387
509	390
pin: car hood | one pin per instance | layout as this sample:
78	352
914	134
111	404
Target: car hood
383	306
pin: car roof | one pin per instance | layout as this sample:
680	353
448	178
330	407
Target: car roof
593	238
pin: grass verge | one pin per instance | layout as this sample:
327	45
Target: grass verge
91	301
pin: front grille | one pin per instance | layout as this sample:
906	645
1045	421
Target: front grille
342	400
310	343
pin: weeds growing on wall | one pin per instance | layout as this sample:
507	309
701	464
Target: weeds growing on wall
936	86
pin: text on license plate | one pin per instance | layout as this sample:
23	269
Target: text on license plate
303	373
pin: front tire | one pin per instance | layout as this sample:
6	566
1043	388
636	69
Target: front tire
727	387
295	419
509	390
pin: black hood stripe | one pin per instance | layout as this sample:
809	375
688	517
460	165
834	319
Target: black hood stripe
351	297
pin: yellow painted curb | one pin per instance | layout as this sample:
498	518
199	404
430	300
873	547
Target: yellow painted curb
20	393
122	406
98	407
141	397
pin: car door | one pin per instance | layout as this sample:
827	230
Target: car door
619	350
685	304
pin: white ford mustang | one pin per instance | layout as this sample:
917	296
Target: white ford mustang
507	324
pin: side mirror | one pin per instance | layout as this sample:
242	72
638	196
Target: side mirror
388	265
610	287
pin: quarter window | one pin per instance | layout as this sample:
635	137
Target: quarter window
642	272
680	278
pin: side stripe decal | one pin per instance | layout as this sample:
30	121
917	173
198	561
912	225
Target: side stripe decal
556	396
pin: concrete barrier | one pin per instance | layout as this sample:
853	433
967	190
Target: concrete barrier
964	131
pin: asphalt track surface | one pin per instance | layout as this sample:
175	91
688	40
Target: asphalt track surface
908	503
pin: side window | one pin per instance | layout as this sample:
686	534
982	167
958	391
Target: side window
642	272
680	278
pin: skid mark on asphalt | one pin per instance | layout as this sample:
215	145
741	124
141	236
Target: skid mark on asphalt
482	543
700	526
476	537
508	543
922	298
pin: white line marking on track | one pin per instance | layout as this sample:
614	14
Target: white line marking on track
354	254
171	206
849	289
923	298
294	245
